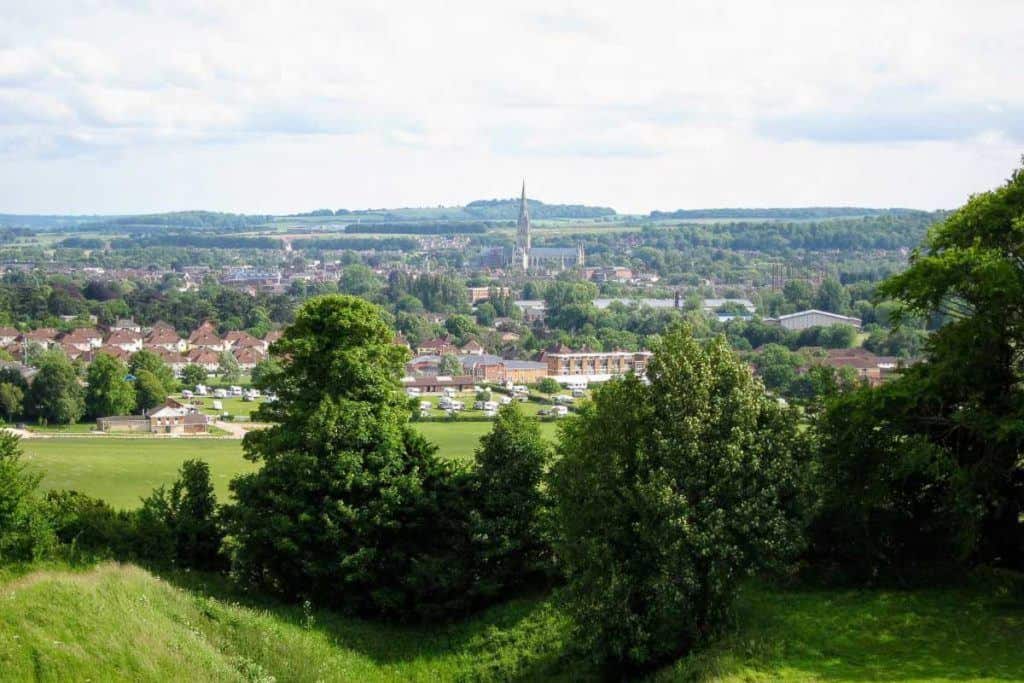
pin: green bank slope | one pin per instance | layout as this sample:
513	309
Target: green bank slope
120	622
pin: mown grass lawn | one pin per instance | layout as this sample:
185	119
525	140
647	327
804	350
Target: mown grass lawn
122	470
120	622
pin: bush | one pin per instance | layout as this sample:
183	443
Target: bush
548	386
895	506
90	526
25	530
510	515
667	494
184	521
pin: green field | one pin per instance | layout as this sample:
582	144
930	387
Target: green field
119	622
123	470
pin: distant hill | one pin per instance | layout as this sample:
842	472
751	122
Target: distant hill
796	213
180	219
509	209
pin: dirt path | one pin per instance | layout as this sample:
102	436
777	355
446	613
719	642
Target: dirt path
24	433
237	429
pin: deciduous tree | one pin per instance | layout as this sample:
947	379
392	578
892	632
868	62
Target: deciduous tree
667	494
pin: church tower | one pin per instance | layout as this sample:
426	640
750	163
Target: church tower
523	232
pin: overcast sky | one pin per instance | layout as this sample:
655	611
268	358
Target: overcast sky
249	106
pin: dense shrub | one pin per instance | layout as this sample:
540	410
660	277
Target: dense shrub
895	506
90	527
509	524
183	522
25	530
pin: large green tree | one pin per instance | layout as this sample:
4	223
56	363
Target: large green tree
667	494
147	360
350	506
55	394
192	375
149	391
969	398
108	390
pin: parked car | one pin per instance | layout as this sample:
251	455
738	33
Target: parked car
220	393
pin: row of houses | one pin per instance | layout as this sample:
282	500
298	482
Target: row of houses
203	346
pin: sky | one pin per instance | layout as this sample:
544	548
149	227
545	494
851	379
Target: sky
280	107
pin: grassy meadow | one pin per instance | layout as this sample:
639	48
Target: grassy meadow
120	622
122	470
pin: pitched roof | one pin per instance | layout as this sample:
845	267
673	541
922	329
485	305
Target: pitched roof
204	357
248	354
42	334
82	334
235	336
206	328
115	351
163	336
123	337
170	357
8	332
205	339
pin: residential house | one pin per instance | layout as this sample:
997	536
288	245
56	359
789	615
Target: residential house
83	339
126	325
44	336
8	335
472	347
207	359
438	347
165	337
248	357
125	339
208	340
239	338
869	367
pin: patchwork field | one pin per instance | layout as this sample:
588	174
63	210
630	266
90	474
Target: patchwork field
123	470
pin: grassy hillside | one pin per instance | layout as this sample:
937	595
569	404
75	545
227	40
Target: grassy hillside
119	622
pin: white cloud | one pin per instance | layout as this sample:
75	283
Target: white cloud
284	106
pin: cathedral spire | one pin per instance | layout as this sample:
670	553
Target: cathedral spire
523	225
